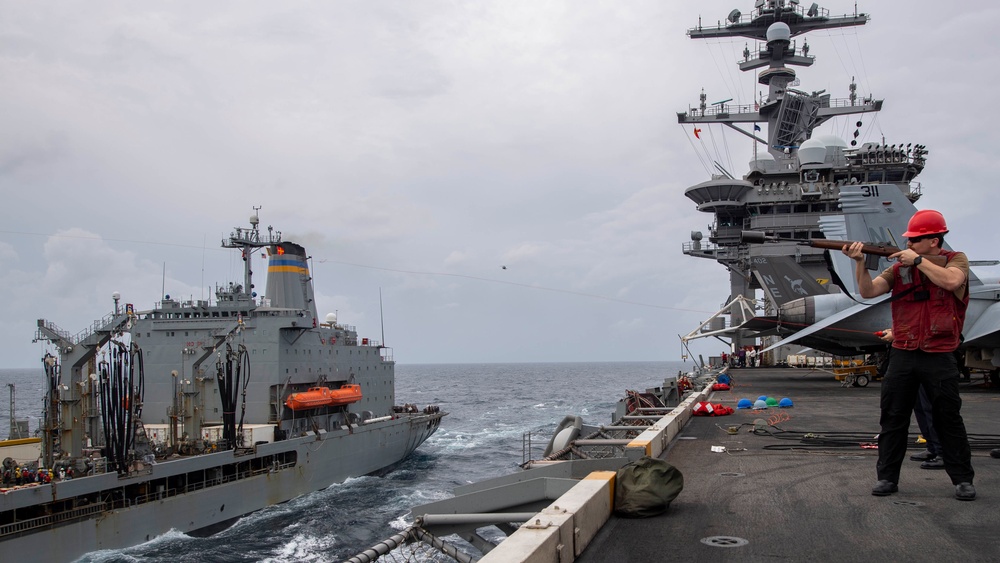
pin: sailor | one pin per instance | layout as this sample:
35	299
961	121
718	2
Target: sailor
928	310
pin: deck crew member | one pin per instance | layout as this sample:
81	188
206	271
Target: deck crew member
928	310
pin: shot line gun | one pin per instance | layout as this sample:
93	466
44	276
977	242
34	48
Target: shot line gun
871	249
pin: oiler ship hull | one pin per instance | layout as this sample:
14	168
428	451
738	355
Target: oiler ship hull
206	493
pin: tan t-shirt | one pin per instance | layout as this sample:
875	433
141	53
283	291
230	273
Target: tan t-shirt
959	260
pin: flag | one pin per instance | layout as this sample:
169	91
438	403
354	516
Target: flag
696	131
756	127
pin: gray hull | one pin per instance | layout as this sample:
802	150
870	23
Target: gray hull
320	461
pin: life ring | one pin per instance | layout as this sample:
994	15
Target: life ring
567	431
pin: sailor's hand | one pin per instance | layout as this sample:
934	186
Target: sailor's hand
885	335
905	257
853	251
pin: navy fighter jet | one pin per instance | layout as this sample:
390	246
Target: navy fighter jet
842	323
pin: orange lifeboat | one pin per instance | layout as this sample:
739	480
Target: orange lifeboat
317	397
347	394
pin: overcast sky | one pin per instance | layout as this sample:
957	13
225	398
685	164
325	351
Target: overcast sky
418	147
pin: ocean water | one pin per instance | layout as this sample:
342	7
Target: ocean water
490	408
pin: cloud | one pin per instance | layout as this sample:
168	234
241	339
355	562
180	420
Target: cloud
455	258
8	255
414	148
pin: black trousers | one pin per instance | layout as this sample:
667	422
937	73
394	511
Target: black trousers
937	372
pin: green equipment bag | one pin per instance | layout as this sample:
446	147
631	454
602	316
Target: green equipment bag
646	487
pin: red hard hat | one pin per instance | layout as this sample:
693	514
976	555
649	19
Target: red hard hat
925	222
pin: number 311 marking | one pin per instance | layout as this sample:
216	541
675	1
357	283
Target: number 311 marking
870	191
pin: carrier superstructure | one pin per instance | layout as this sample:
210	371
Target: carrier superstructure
794	178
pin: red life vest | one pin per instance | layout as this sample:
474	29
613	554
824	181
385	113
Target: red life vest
704	408
927	317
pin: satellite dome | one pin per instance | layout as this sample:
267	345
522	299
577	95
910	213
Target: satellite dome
778	31
813	151
834	144
832	141
331	318
761	160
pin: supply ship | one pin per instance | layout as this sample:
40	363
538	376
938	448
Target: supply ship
191	414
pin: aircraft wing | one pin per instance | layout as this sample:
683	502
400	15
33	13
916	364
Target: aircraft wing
985	332
829	322
764	326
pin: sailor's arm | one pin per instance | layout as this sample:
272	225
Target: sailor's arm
950	277
867	287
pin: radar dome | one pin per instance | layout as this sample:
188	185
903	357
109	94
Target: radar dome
331	318
778	32
834	145
759	162
813	151
832	141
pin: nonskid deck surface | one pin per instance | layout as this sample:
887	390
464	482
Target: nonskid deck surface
815	503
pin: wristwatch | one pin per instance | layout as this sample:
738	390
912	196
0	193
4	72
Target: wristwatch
917	261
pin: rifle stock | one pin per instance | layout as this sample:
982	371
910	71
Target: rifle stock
880	249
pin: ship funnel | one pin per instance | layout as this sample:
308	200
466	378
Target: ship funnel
288	282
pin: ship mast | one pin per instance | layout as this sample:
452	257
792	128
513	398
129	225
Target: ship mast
247	240
791	115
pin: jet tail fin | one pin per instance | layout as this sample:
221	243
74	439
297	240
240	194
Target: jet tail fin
871	213
783	280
